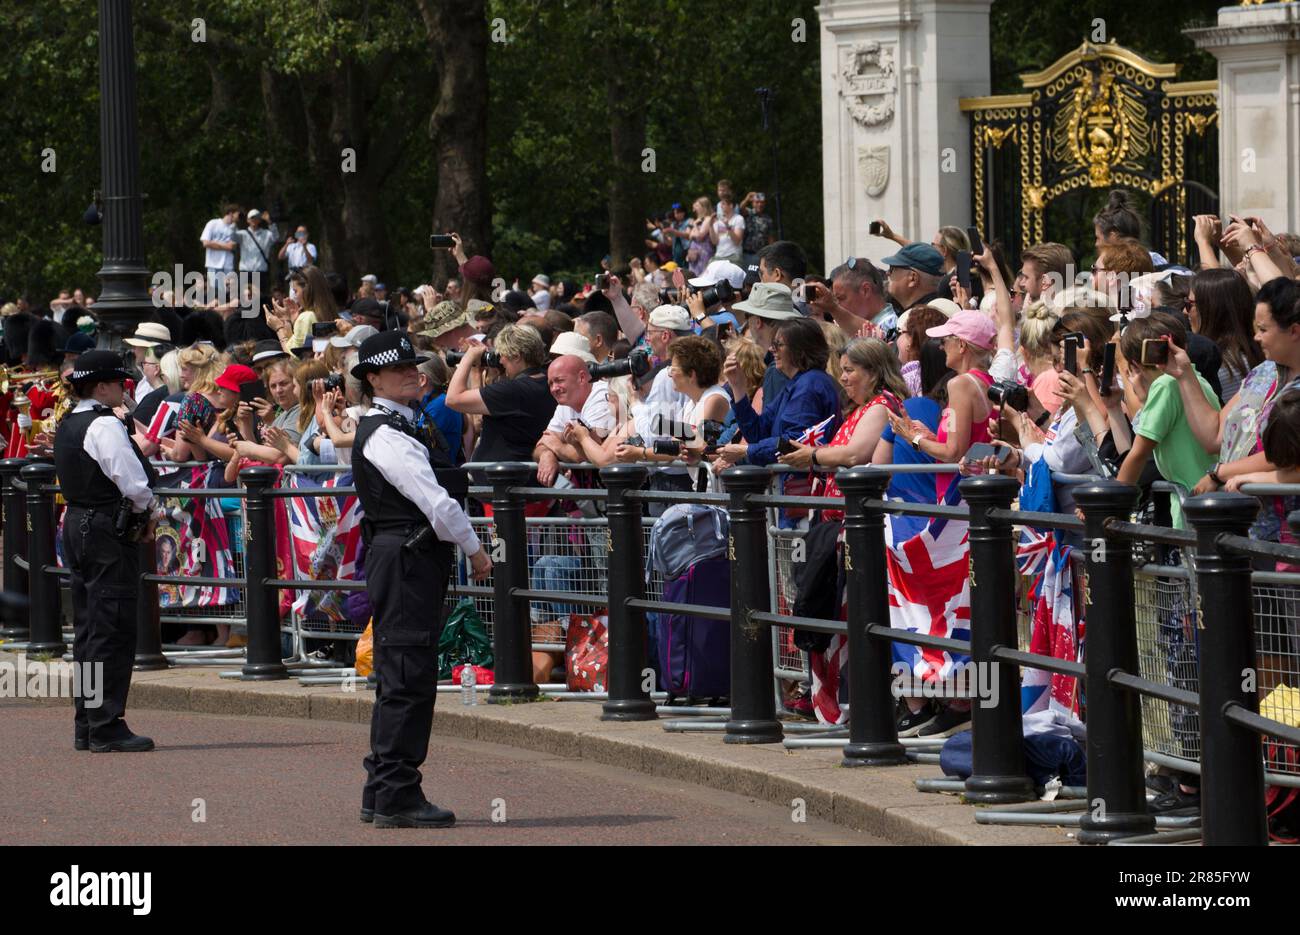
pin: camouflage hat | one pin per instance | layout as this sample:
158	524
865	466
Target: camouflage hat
445	316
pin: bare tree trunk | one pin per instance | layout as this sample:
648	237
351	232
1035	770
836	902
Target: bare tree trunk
458	37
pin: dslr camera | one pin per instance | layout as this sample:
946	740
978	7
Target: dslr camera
720	291
1009	393
490	358
637	363
710	431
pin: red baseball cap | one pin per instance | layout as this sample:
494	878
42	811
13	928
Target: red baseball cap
479	269
234	376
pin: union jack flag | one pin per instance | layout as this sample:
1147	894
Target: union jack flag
203	540
819	434
929	589
323	543
164	421
1056	630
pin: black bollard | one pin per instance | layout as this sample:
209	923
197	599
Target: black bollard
873	734
46	612
262	662
1116	790
629	698
753	704
998	759
1232	764
512	635
16	626
148	634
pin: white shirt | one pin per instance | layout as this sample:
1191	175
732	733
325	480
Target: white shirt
110	446
404	463
298	256
662	405
220	231
729	249
541	298
250	257
595	412
143	388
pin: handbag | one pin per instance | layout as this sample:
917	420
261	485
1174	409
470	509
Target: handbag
586	653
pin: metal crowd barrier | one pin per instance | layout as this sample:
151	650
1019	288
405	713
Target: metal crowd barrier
1225	698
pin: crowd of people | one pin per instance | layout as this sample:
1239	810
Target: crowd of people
719	346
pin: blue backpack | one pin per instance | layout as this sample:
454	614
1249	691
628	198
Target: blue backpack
686	533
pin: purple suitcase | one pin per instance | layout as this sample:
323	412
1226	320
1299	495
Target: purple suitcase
695	652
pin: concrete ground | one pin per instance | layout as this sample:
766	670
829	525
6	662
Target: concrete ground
286	735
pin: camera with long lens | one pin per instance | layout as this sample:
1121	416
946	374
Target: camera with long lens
720	291
669	297
490	358
636	363
1009	393
710	431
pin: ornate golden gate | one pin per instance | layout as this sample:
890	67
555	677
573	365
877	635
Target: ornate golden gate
1100	117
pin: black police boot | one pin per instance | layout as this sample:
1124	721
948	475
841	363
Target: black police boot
132	744
425	815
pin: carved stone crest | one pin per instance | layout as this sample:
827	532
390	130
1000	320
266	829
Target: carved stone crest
868	82
873	166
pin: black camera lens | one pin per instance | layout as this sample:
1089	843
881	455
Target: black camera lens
636	363
718	292
1007	393
667	446
490	358
333	381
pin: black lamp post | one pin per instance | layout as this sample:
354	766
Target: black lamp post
124	299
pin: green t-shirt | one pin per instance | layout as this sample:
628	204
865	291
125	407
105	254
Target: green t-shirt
1179	456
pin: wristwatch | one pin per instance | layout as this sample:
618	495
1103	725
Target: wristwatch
1213	473
916	441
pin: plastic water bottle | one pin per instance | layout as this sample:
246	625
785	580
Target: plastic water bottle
468	681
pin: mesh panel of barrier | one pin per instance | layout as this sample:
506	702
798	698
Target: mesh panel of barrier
1277	648
786	547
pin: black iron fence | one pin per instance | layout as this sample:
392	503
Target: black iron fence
1226	698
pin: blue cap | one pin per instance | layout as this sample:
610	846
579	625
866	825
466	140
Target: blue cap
677	206
721	317
918	256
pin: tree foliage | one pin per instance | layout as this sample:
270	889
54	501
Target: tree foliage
261	111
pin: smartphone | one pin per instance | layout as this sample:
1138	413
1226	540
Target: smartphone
976	245
982	450
785	446
253	389
1107	368
1155	352
324	329
963	269
441	242
875	229
809	292
1073	341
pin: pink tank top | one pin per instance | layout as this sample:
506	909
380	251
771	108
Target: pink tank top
979	432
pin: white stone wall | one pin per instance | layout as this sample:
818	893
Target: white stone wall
940	52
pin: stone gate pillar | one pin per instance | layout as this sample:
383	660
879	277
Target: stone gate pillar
895	144
1258	48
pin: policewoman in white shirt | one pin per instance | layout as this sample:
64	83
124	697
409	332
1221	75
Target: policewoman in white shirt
106	482
406	482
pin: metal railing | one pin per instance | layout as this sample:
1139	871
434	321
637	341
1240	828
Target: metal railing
1224	699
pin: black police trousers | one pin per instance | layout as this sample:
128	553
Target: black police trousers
105	578
407	588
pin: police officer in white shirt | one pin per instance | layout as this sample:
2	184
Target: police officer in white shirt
106	482
406	483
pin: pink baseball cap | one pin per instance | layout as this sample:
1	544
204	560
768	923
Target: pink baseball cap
971	326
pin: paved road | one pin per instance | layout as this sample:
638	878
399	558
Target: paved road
285	781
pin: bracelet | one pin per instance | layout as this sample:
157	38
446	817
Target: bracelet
1213	473
1086	370
1252	250
814	457
916	442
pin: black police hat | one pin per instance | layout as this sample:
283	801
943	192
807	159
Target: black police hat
98	367
386	349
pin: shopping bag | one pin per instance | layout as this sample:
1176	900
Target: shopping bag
366	650
464	639
586	654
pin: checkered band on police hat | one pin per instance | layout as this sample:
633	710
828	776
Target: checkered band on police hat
384	350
